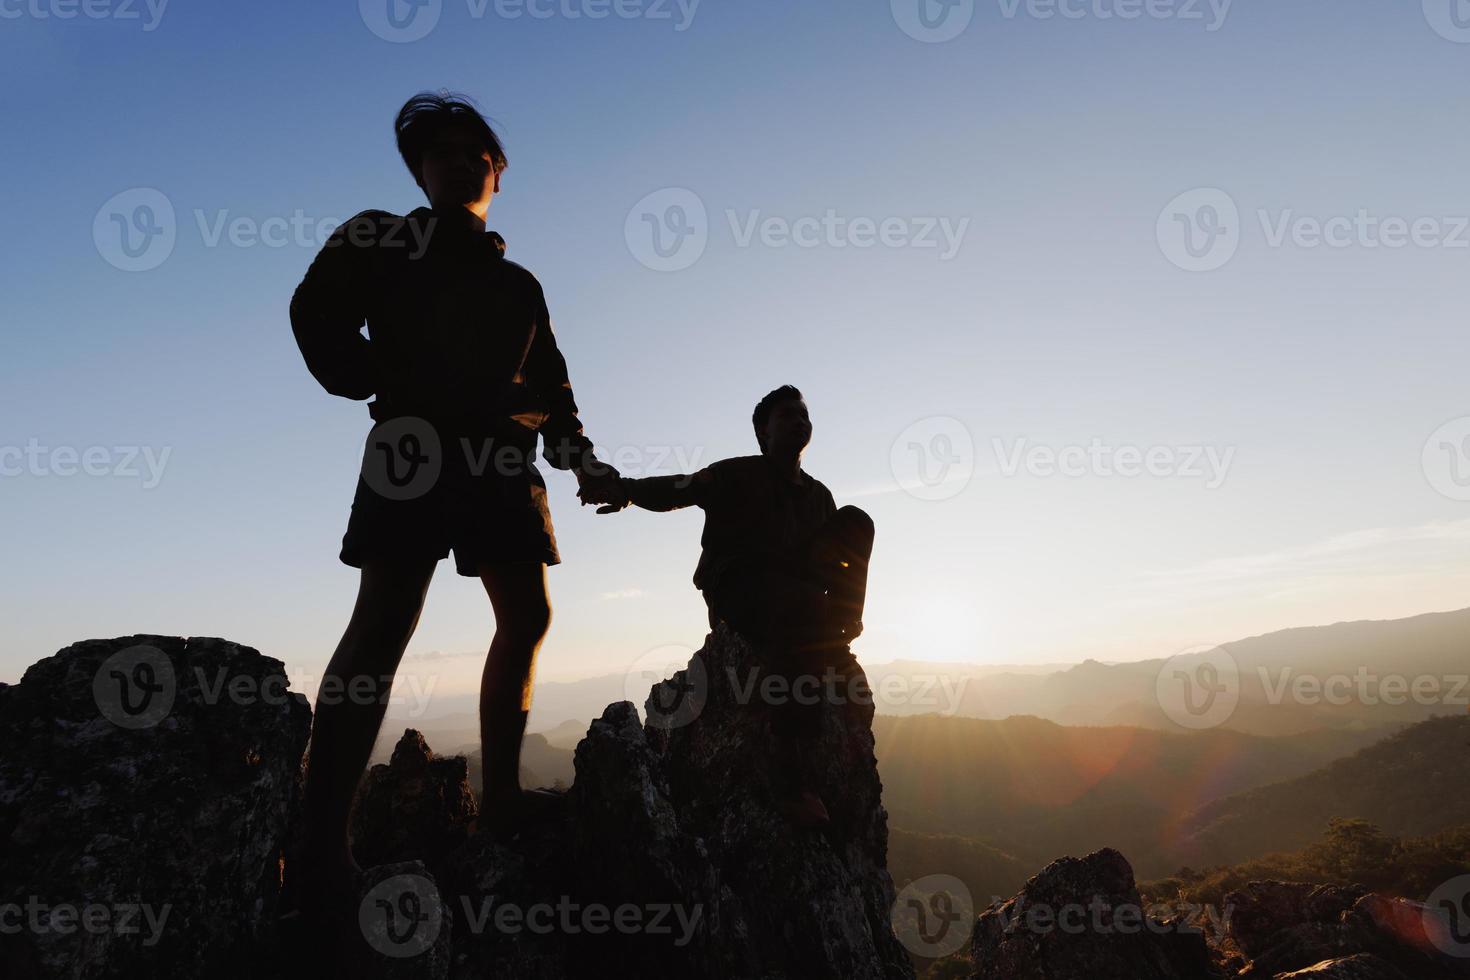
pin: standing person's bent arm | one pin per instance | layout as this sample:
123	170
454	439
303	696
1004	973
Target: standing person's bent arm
328	312
564	445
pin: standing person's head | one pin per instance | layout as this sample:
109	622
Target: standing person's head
782	425
453	154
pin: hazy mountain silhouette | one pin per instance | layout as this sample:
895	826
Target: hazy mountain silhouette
1409	785
1034	789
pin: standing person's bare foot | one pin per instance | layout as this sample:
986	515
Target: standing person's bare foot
327	897
503	815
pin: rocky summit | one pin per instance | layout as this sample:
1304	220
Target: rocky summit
150	813
164	775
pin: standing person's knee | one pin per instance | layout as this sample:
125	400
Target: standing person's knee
518	596
389	600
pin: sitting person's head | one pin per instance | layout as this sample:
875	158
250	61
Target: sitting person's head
782	426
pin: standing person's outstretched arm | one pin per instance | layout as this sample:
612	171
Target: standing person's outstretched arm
329	308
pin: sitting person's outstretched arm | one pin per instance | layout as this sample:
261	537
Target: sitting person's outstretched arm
661	493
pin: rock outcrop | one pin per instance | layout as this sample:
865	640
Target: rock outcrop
417	807
675	823
1084	918
148	787
1284	928
1080	919
167	772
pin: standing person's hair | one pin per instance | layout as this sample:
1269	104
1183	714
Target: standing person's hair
764	406
427	114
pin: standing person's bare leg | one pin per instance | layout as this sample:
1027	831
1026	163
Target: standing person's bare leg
518	594
349	710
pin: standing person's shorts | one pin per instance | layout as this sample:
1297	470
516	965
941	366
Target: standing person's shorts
423	496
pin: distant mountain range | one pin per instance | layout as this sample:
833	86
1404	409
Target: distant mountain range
1411	784
1031	787
1347	675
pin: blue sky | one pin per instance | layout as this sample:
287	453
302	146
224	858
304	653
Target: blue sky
1066	155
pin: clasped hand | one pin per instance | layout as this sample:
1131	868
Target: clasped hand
603	487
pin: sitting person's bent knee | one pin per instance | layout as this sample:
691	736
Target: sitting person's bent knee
856	519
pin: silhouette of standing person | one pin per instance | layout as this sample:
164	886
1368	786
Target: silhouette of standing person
782	564
466	373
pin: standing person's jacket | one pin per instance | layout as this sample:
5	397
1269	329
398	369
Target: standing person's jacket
456	334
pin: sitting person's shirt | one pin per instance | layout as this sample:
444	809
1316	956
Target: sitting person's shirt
750	511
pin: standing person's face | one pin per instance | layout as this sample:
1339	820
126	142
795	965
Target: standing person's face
458	172
789	428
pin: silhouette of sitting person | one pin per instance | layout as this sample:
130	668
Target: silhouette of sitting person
466	373
781	564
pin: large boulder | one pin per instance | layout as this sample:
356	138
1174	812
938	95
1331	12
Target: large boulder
1289	928
148	787
1083	919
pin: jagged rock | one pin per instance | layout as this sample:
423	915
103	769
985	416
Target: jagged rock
147	775
1363	966
418	807
1083	919
672	825
1288	928
1262	911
